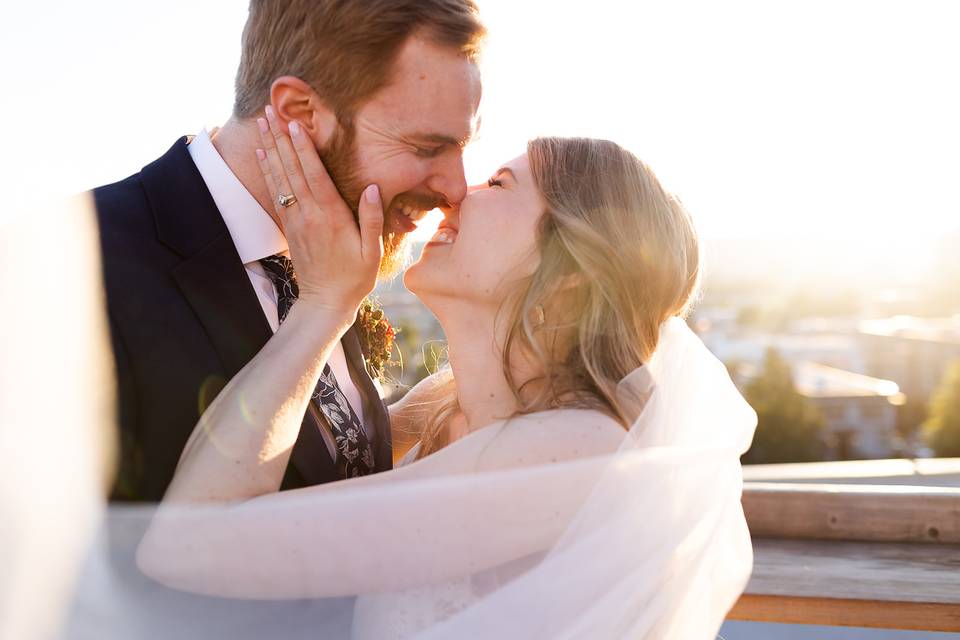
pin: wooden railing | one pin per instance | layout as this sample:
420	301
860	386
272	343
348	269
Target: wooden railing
853	555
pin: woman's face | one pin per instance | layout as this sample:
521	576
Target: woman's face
485	244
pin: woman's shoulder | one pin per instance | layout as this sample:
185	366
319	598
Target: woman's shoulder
572	421
546	437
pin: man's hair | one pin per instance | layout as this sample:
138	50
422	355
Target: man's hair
344	49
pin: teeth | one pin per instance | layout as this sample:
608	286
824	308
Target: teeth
414	214
445	236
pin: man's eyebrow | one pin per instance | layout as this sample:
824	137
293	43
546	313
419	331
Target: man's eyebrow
439	138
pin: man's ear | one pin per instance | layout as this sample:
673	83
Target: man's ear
294	99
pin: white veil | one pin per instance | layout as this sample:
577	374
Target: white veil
649	542
56	409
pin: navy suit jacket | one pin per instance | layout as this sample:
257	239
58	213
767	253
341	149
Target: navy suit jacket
184	319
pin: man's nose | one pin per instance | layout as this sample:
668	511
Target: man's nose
449	178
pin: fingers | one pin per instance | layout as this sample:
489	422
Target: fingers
271	184
275	173
318	180
371	225
272	168
289	161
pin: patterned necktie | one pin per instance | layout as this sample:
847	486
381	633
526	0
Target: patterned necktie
355	454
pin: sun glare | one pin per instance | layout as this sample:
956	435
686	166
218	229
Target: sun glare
764	135
428	226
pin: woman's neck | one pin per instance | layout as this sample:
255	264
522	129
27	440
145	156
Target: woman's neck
475	346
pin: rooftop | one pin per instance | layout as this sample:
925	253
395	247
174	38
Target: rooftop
816	380
941	330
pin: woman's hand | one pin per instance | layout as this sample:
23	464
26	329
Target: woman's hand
336	263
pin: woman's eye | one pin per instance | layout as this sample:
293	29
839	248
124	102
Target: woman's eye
493	182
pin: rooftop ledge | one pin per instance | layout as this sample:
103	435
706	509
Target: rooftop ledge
864	555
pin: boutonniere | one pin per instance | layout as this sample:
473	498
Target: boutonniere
376	338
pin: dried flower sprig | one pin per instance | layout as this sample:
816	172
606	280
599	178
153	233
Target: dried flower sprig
376	338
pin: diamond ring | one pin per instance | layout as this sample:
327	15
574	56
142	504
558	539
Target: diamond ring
286	200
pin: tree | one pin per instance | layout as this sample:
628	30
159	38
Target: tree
788	425
942	428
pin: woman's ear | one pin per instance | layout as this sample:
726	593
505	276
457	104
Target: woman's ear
294	99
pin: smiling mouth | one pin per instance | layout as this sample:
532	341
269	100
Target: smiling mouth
444	235
411	214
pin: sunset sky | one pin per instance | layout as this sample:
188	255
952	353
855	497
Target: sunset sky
837	121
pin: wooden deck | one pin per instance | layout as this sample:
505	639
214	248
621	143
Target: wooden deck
864	556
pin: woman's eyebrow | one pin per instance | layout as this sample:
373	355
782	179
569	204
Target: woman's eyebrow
503	170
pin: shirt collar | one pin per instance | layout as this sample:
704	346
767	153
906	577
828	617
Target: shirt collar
253	231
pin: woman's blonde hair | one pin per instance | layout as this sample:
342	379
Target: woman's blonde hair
619	255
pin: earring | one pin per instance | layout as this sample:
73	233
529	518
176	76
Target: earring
538	317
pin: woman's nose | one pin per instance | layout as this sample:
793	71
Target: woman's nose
449	209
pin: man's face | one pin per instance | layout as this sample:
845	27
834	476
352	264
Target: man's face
408	139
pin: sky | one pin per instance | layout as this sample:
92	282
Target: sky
793	126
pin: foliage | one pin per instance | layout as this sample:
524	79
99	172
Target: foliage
420	357
942	428
911	416
789	425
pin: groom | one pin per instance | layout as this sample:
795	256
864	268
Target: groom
194	256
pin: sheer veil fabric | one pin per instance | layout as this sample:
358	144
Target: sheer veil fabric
647	540
56	408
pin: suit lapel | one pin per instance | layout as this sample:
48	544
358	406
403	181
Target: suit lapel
215	284
310	455
210	276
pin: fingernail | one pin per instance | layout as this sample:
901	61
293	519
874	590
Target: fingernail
261	155
294	128
263	125
269	111
373	194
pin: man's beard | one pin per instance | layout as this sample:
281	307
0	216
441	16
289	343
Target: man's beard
340	160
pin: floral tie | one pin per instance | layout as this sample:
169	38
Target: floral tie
355	454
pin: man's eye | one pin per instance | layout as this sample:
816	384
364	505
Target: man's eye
428	152
493	182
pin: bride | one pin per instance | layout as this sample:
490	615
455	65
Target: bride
577	471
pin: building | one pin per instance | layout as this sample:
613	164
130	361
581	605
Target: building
914	352
859	411
733	345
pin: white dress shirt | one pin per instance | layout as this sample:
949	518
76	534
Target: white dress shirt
256	236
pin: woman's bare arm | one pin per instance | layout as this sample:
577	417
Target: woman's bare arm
241	445
441	518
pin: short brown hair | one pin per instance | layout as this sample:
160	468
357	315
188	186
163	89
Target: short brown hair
344	49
